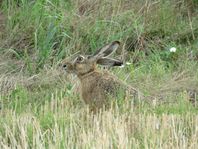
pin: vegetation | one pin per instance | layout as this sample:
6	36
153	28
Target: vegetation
40	105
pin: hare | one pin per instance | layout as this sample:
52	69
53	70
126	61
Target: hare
98	86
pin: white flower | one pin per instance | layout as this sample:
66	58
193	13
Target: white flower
173	49
128	63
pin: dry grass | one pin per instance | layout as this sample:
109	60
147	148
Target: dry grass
59	126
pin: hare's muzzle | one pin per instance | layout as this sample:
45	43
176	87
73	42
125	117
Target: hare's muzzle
64	66
67	67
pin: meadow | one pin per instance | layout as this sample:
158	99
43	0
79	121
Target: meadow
40	106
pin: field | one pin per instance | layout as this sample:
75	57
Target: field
40	105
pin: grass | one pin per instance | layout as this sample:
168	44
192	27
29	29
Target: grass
40	106
57	125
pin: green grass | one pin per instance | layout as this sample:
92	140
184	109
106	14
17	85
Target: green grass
40	106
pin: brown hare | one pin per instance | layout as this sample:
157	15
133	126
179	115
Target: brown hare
98	86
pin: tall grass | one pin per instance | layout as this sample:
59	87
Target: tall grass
53	29
60	124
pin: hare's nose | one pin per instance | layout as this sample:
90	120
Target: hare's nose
64	66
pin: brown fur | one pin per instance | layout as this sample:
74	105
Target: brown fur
97	87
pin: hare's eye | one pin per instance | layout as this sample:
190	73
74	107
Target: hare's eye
80	58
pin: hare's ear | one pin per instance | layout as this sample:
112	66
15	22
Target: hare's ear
109	62
106	50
